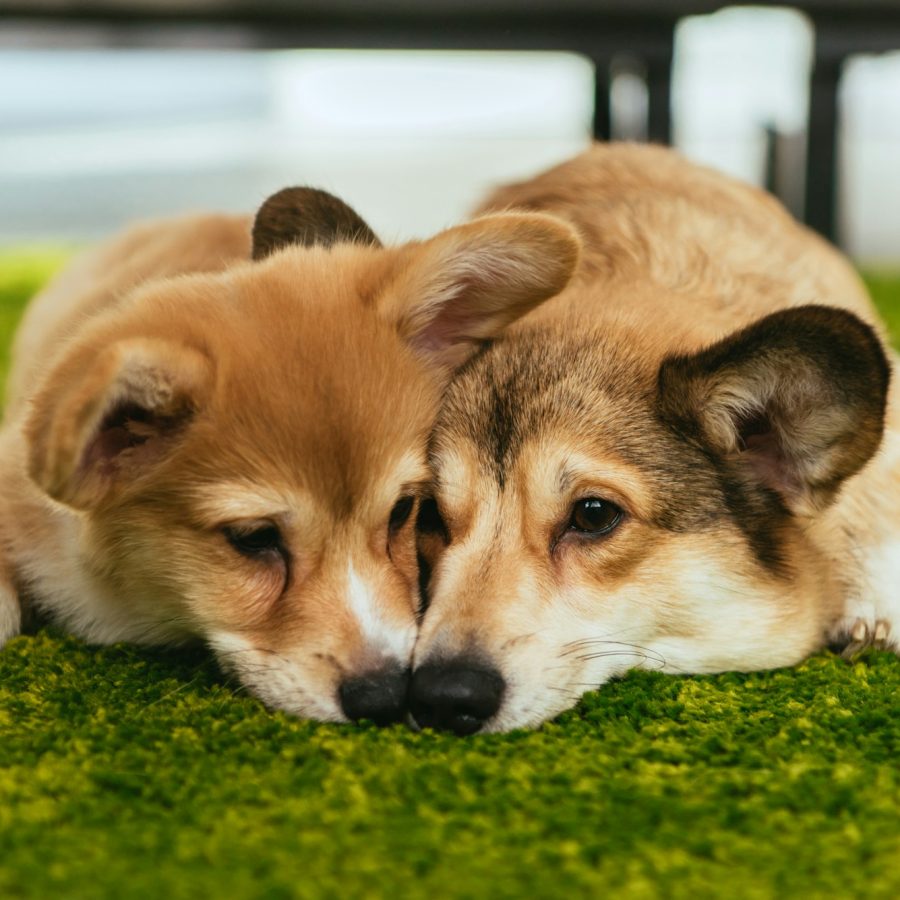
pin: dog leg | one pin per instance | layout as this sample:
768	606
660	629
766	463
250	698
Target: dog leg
10	610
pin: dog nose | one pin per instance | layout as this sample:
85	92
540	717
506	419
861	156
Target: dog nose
379	696
457	696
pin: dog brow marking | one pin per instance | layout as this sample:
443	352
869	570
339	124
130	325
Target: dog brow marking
229	500
392	641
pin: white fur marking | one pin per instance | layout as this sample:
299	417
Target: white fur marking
388	639
881	601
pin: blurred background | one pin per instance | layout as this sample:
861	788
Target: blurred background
102	123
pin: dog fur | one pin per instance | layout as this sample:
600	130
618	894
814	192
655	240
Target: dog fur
715	372
216	428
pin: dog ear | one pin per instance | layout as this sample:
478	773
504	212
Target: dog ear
796	399
468	283
307	217
106	417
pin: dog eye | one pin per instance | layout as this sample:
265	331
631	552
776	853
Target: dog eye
400	513
255	541
594	516
430	521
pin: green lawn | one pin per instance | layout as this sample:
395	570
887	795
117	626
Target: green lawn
128	773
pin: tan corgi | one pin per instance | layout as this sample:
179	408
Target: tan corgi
218	431
686	461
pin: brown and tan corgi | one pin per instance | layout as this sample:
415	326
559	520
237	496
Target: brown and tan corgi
218	431
686	461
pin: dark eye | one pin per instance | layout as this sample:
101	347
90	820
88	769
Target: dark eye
429	520
400	513
254	541
594	516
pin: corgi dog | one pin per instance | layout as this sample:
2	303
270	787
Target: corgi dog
216	429
688	460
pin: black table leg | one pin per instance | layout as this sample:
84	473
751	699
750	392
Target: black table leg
659	97
820	207
602	124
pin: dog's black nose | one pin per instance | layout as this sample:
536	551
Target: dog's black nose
458	695
379	696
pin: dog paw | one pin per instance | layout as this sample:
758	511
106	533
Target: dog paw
863	635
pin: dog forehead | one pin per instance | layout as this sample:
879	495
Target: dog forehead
542	397
547	390
312	389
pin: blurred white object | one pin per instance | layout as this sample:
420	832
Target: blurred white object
89	140
736	73
870	193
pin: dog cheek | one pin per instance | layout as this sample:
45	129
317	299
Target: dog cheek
257	592
223	590
303	686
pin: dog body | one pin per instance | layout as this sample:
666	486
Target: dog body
198	444
676	463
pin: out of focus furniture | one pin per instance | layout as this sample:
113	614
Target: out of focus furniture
842	28
601	30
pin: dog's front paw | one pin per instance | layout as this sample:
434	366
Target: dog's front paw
863	634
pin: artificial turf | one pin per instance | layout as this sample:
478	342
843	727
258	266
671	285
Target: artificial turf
131	773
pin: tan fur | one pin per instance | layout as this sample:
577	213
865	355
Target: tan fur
167	390
675	258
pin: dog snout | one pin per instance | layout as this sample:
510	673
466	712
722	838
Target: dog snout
458	696
379	696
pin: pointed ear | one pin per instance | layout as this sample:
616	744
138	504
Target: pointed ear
103	418
466	285
797	400
306	217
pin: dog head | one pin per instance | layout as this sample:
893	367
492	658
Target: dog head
597	507
246	449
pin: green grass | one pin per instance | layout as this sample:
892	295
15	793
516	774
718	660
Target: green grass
22	272
129	773
885	290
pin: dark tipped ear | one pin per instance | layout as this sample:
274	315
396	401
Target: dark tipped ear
104	418
464	286
797	400
307	217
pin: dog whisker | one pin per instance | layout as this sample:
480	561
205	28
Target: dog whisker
624	645
568	694
603	639
643	657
